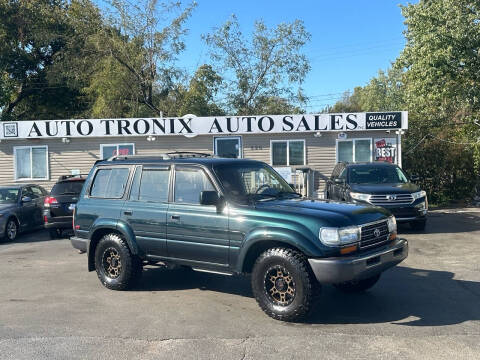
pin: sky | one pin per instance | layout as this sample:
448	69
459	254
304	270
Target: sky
350	39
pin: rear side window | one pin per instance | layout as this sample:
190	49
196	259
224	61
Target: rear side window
189	183
68	188
110	183
154	185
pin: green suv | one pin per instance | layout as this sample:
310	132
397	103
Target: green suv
229	216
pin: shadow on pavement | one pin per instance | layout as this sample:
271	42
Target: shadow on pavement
406	296
445	223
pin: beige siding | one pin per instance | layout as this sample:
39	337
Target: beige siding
82	153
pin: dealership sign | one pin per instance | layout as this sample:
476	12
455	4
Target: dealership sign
190	125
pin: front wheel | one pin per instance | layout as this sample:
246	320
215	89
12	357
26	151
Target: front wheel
117	268
356	286
283	284
11	230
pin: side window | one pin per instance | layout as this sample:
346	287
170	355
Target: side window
110	183
343	174
37	192
27	191
154	185
189	183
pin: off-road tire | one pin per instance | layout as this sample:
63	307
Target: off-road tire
358	286
130	269
418	225
55	233
306	286
7	234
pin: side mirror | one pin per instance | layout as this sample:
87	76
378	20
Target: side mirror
209	198
26	199
339	181
414	178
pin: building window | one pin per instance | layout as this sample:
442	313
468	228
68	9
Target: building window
109	150
354	150
228	147
287	152
31	162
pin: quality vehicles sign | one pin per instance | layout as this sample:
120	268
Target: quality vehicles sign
190	125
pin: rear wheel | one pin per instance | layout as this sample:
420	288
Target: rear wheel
283	284
55	233
358	285
117	268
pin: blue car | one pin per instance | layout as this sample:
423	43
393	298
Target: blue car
21	209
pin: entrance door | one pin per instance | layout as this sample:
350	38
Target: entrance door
195	232
228	147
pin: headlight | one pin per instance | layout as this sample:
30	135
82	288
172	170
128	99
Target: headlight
360	196
419	194
392	224
339	236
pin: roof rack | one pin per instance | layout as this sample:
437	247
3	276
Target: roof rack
65	177
164	156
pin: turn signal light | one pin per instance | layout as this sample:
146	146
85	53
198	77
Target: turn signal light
49	200
348	249
393	236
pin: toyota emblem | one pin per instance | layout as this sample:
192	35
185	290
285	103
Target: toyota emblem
376	232
391	197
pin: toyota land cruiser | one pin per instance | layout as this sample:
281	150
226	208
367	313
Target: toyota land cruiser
229	216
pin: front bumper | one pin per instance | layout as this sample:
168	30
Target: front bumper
362	266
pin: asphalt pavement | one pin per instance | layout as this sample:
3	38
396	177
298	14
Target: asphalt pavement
426	308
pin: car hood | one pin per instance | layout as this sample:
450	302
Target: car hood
7	207
398	188
330	213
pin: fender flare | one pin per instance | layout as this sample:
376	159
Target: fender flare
119	226
289	237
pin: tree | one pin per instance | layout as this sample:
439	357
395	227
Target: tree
266	66
31	35
144	39
200	97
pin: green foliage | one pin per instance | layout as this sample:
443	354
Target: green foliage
265	67
435	79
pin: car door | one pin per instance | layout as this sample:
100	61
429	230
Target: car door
196	232
38	199
27	209
145	210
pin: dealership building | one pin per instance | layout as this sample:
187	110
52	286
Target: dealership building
303	148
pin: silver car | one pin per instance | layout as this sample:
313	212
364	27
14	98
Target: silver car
21	209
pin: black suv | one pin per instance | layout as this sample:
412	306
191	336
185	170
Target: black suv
381	184
58	205
229	216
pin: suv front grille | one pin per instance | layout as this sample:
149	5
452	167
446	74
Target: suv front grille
391	199
375	234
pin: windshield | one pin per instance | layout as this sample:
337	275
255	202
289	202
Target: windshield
376	175
9	196
244	182
67	188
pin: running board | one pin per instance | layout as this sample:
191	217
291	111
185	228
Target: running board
212	271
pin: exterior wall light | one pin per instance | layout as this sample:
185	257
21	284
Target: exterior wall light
317	134
65	140
151	138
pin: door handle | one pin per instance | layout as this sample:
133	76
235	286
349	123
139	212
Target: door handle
175	217
128	212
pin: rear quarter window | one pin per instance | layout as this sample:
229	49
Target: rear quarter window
110	183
